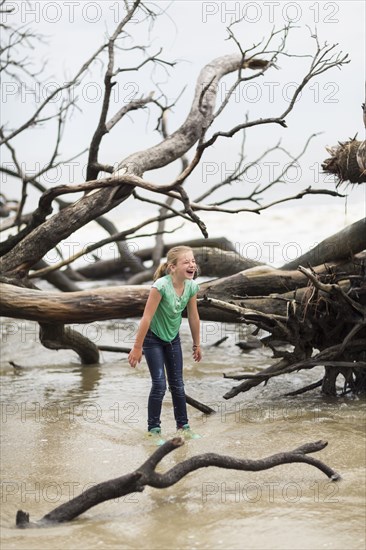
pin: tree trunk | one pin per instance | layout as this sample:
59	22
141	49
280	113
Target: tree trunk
84	306
264	289
212	262
58	278
46	236
262	281
212	242
341	246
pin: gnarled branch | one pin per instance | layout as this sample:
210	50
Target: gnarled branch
146	475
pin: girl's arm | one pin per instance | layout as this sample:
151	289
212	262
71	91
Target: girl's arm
152	303
194	325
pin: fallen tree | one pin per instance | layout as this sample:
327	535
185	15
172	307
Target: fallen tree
279	301
258	288
216	257
146	475
306	309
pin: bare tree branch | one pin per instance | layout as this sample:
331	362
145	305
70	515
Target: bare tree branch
35	117
146	475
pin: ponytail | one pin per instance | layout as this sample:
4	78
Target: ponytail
161	271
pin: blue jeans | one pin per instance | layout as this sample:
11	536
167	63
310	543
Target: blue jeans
158	354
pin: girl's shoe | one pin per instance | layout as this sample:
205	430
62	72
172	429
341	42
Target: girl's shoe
155	435
186	432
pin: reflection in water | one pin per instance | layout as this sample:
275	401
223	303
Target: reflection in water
65	427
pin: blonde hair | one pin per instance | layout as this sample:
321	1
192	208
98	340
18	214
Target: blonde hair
172	258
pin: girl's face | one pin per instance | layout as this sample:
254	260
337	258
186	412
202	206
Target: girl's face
185	268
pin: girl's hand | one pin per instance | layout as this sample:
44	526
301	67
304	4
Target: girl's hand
135	356
197	354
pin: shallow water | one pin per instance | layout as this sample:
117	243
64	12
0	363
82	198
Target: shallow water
65	427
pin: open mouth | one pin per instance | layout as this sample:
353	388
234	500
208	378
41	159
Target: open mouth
190	272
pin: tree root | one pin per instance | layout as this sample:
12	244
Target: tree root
56	336
330	312
146	475
284	367
347	161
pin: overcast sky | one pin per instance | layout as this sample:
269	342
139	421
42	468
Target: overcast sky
193	33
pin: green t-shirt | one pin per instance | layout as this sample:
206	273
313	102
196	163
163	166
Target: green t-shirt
168	316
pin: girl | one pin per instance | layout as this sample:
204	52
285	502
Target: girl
158	336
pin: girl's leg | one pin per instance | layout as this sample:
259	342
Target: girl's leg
174	369
154	355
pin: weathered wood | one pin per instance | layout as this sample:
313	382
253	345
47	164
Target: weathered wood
146	475
120	302
105	269
347	161
263	281
261	288
212	242
198	405
114	349
341	246
84	306
56	336
59	279
212	261
97	202
331	319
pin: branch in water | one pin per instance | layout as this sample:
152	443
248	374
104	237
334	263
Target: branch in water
146	475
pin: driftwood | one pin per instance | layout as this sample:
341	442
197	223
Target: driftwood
218	257
340	246
58	278
146	475
199	406
56	336
267	298
120	302
117	267
307	309
286	367
211	242
261	281
84	306
348	159
332	319
212	262
261	288
100	196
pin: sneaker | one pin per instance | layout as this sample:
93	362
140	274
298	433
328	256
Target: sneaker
155	435
186	432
